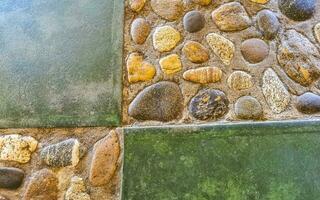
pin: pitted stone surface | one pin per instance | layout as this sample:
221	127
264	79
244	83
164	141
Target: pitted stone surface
240	80
77	190
222	47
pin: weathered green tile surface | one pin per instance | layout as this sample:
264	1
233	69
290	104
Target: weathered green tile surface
268	161
60	62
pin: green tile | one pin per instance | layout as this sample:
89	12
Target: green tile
60	62
267	161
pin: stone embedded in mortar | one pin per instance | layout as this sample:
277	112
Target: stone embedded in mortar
308	103
248	107
240	80
202	2
260	1
193	21
137	5
168	9
203	75
298	10
138	69
209	104
195	52
77	190
268	24
17	148
254	50
275	93
317	32
104	162
11	178
170	64
222	47
165	38
231	17
140	30
43	185
299	58
162	101
62	154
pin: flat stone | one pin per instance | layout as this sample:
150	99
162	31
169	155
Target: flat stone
11	178
193	21
140	30
17	148
275	93
300	60
202	2
317	32
222	47
209	104
248	107
170	64
260	1
170	13
308	103
105	158
298	10
268	24
231	17
162	101
43	185
166	38
240	80
138	69
62	154
77	190
203	75
137	5
195	52
254	50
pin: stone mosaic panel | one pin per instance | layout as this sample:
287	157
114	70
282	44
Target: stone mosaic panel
60	63
237	161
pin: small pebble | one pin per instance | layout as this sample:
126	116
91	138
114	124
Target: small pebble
193	21
248	107
170	64
11	178
308	103
140	30
168	9
254	50
317	32
137	5
268	24
77	190
203	75
195	52
222	47
297	10
166	38
240	80
138	69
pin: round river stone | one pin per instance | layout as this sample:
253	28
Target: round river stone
193	21
268	24
308	103
254	50
248	107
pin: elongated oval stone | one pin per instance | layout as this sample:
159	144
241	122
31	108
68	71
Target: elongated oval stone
222	47
11	178
203	75
298	10
140	30
317	32
308	103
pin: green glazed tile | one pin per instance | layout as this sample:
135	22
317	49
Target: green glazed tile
60	62
267	161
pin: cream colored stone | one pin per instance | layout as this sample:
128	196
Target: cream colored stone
17	148
260	1
203	75
77	190
137	5
166	38
222	47
170	64
138	69
317	32
240	80
202	2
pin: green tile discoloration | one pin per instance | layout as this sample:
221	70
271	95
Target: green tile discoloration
267	161
60	63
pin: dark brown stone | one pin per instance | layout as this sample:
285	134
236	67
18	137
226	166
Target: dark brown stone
254	50
11	178
193	21
140	30
308	103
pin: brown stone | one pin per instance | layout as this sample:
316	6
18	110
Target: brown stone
240	80
170	64
104	162
248	107
140	30
203	75
202	2
168	9
195	52
77	190
254	50
137	5
138	69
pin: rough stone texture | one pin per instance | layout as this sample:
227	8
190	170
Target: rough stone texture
240	80
160	102
17	148
308	103
105	159
168	9
138	69
317	32
165	38
202	2
203	75
268	24
193	21
254	50
299	58
248	107
170	64
11	178
77	190
140	30
231	17
260	1
43	185
62	154
195	52
209	104
137	5
222	47
298	10
276	95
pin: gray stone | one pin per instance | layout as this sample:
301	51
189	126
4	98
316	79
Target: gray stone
11	178
254	50
248	107
308	103
140	30
268	24
62	154
298	10
193	21
162	101
209	104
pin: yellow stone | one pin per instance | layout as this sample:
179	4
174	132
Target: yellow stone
166	38
222	47
138	69
203	75
317	32
171	64
137	5
260	1
195	52
202	2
